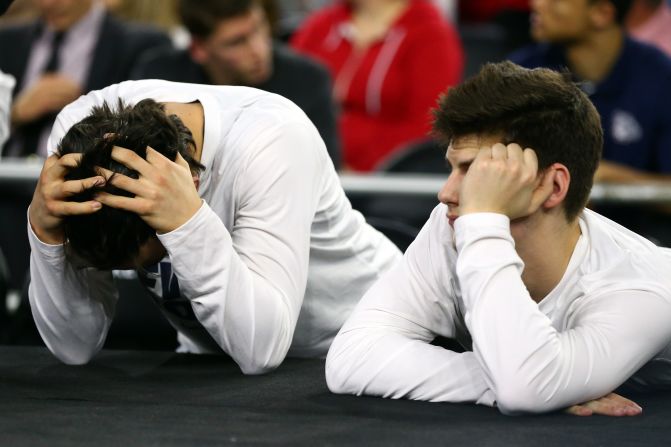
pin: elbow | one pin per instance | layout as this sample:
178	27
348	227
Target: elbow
74	358
518	399
264	355
338	379
254	367
337	383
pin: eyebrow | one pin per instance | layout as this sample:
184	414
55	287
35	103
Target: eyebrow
461	164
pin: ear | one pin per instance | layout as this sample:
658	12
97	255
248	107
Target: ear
602	14
196	180
556	181
197	50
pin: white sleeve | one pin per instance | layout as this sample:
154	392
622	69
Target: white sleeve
72	308
247	286
530	366
6	87
383	349
81	108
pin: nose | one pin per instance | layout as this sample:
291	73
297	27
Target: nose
449	193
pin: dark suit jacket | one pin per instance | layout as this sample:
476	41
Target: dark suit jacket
296	77
118	49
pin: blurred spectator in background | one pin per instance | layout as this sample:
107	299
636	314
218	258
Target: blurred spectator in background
231	44
6	87
75	46
629	82
17	11
159	13
291	13
650	21
390	60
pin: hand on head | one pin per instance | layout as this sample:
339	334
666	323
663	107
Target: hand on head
164	194
51	202
505	180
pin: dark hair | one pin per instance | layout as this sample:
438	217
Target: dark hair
110	236
541	109
201	17
622	8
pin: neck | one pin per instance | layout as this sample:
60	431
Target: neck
593	58
545	267
372	19
378	10
193	117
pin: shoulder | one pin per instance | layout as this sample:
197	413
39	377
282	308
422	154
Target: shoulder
621	259
646	58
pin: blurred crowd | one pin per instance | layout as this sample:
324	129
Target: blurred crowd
366	72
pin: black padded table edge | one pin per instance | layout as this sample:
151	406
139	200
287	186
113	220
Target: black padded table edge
127	398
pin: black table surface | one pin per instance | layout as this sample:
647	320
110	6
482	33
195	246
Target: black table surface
125	398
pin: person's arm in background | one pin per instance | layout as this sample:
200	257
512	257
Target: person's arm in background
384	347
7	83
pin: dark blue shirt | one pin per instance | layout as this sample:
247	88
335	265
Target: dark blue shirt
634	102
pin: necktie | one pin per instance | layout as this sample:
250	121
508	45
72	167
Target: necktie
54	58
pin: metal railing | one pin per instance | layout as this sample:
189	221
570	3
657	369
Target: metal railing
408	185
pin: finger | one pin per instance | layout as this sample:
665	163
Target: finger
514	152
499	152
65	164
630	407
182	162
131	160
154	157
530	159
126	183
71	160
133	204
485	153
611	407
50	161
76	208
543	191
579	410
72	187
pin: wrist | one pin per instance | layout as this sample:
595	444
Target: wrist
48	237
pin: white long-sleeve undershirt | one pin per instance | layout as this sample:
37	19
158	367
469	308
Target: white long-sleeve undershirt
606	318
272	262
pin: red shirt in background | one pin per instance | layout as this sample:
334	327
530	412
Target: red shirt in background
387	90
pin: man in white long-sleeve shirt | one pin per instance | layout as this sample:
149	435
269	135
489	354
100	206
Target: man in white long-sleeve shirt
259	256
555	305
